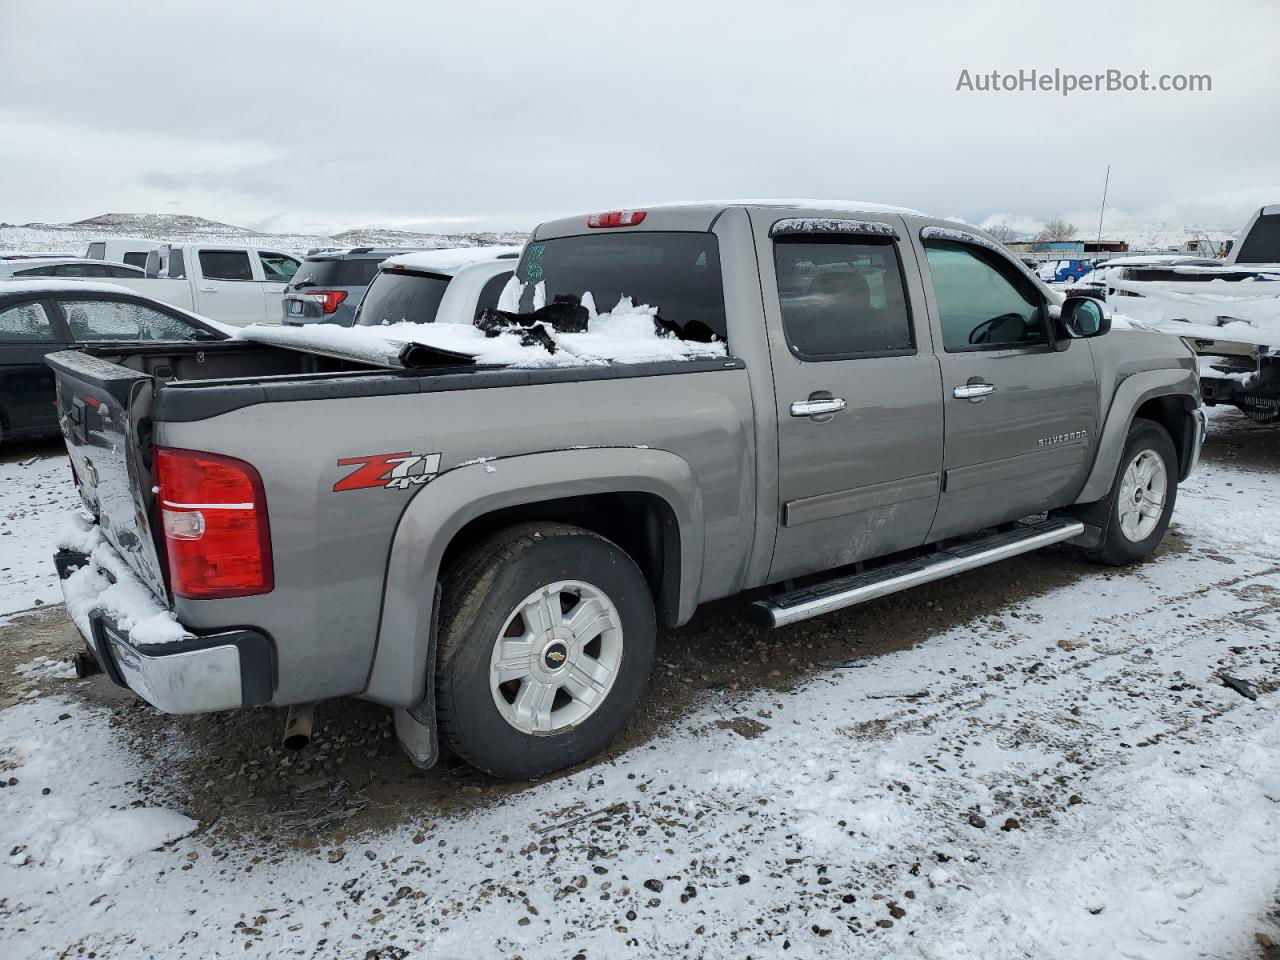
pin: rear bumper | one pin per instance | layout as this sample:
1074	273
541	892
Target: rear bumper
197	673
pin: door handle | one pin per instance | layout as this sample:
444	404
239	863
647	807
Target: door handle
973	392
817	408
208	289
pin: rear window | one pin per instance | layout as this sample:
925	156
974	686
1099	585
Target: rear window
679	273
1262	245
400	297
136	258
323	272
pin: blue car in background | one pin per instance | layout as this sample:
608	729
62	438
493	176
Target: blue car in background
1063	271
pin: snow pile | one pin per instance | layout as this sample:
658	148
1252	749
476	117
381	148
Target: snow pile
86	828
107	584
1240	311
625	334
43	668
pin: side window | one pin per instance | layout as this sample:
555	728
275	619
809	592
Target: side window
278	267
26	323
97	251
225	265
99	320
82	270
490	293
982	302
121	272
842	297
137	258
48	271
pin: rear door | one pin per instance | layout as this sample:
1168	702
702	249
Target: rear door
1020	414
857	389
27	332
227	288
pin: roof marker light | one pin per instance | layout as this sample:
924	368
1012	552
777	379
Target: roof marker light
616	218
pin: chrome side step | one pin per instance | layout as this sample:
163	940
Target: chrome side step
860	587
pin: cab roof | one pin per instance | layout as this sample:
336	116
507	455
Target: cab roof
699	216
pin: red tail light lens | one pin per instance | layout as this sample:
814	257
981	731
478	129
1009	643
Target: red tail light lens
329	300
214	513
616	218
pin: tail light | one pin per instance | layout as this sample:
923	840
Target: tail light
616	218
214	513
329	300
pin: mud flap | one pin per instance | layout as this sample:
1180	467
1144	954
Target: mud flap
416	725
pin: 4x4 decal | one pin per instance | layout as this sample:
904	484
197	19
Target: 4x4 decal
391	471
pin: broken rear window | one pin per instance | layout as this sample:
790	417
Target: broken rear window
678	273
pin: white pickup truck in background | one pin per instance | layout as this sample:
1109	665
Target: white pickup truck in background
229	283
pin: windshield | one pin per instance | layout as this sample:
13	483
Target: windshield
397	296
678	273
1262	245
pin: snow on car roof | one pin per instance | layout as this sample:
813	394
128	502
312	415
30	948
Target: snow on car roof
44	286
450	260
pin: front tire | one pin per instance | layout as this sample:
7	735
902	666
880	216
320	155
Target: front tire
547	635
1142	497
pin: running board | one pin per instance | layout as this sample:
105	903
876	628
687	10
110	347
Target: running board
860	587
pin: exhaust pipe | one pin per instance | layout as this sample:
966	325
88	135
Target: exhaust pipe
297	727
85	664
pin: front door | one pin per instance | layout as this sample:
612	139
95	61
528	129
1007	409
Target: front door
857	392
1020	414
227	289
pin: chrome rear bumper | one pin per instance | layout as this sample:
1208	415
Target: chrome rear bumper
194	674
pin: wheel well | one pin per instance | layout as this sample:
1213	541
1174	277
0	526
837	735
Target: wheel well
642	524
1174	414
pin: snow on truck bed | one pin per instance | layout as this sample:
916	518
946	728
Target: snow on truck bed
625	334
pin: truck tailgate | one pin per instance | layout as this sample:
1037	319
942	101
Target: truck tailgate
103	410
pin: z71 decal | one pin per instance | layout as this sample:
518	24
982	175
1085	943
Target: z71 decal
390	471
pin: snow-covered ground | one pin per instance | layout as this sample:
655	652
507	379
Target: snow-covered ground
1061	776
35	496
73	238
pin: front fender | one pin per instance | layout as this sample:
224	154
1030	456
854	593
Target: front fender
1131	394
452	500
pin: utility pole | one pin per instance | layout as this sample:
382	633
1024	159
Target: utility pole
1103	211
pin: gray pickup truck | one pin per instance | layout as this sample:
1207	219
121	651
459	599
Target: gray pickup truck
491	550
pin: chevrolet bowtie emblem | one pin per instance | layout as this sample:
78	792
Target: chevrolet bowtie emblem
555	656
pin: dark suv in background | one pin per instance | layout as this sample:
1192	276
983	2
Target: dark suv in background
328	286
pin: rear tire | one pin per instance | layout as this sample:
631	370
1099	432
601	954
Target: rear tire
546	642
1136	514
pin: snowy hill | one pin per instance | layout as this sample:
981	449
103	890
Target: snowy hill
183	228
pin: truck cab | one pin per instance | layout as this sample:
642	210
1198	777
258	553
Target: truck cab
233	284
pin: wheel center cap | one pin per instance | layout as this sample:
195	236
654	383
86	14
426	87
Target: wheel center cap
555	654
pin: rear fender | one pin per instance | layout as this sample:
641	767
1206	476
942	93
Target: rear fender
455	498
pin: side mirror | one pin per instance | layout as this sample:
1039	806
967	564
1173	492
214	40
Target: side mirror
1085	317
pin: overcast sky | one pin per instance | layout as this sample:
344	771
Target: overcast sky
319	116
